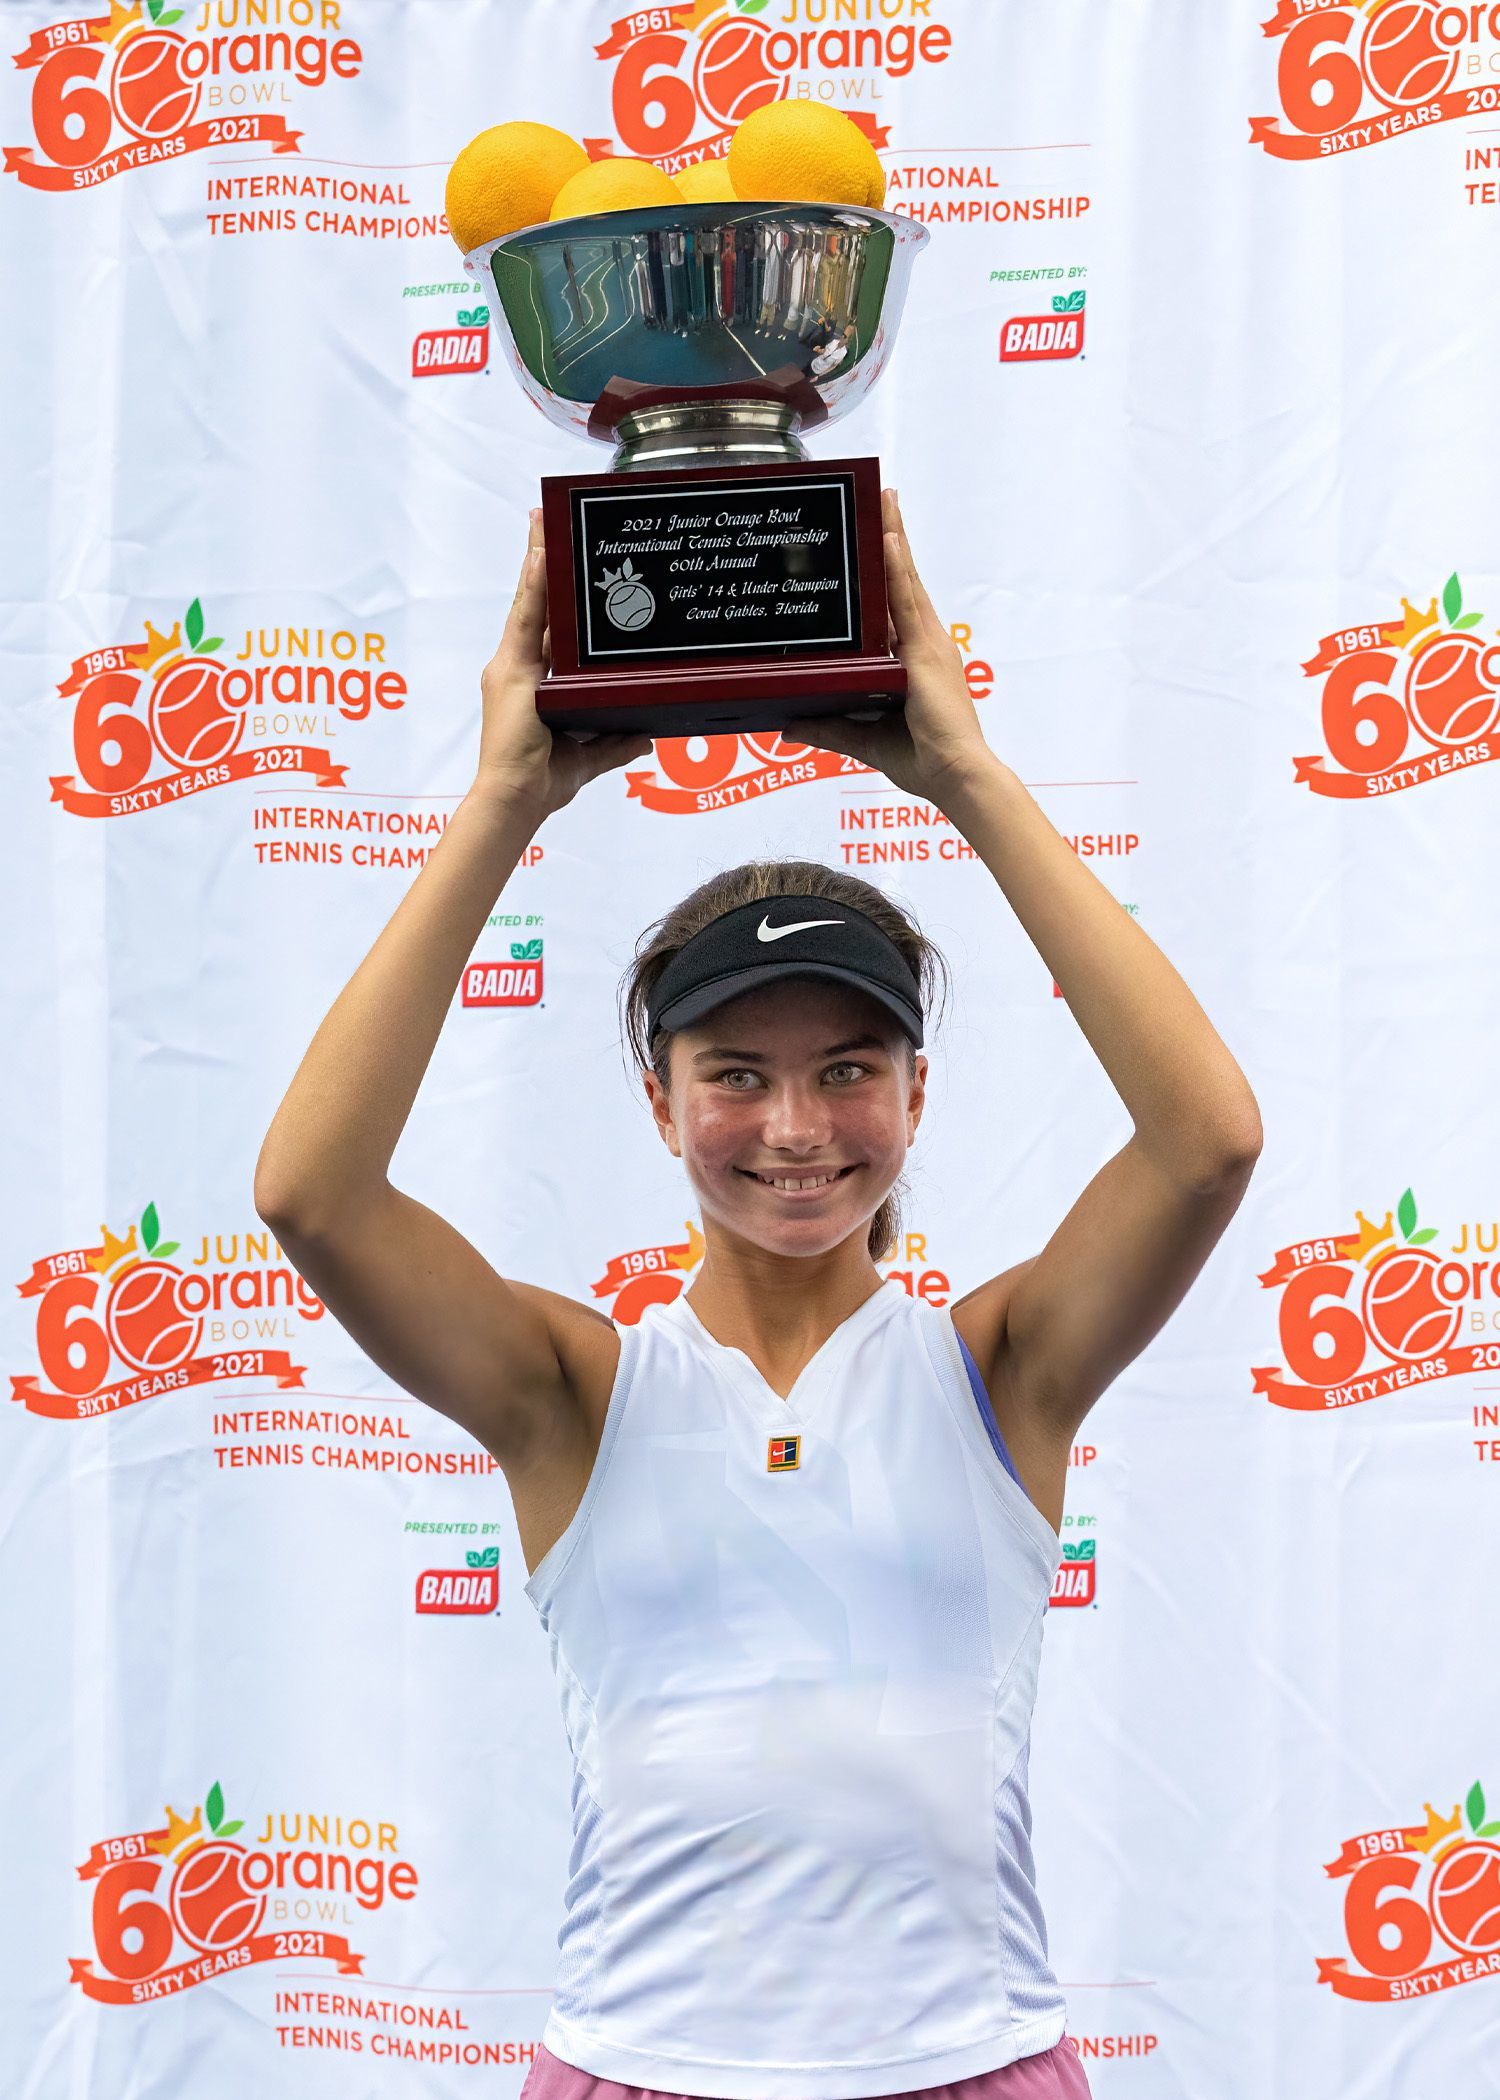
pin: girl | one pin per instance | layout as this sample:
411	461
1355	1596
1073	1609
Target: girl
792	1534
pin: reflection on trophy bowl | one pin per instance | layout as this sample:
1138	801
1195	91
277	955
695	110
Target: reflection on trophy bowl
702	333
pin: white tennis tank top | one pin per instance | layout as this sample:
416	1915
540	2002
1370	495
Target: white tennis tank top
796	1643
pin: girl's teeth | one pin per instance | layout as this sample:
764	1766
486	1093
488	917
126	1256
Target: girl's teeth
784	1181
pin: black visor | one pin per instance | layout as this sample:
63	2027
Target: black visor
779	937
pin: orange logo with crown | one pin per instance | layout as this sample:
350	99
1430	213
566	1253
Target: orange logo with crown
1354	75
1404	701
127	89
1409	1888
1350	1297
125	1304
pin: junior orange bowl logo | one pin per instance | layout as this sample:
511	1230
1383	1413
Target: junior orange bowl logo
1349	76
1414	1891
177	1906
684	75
143	84
1365	1313
122	1322
1404	701
158	720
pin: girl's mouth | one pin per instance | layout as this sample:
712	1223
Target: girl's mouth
799	1185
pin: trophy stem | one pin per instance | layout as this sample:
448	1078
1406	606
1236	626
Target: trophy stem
703	434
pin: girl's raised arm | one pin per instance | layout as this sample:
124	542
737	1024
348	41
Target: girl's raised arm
418	1298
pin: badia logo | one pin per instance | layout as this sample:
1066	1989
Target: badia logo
1038	338
1073	1584
1410	1887
1354	75
438	352
183	1904
684	75
144	84
466	1591
649	1275
1366	1313
122	1322
516	983
1393	685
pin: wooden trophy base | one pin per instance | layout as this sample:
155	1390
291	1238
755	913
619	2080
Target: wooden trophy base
704	601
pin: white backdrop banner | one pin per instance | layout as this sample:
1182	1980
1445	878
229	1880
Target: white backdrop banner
1193	417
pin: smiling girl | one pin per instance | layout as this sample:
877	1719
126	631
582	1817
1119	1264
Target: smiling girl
792	1534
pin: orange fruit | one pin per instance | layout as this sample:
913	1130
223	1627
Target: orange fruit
803	153
614	184
706	182
506	178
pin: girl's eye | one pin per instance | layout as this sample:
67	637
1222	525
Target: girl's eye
744	1072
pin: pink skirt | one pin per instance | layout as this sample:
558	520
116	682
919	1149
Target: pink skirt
1056	2074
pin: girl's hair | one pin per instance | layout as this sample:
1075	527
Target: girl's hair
752	883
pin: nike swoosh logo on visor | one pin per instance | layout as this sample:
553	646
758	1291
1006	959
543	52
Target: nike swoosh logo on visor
765	931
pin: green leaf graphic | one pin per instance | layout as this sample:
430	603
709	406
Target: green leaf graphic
165	22
167	1247
483	1556
1420	1239
150	1227
216	643
1474	1806
227	1830
1067	302
1469	620
153	8
214	1806
1453	598
194	624
750	7
525	951
1406	1214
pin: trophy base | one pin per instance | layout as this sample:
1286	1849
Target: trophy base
721	699
708	599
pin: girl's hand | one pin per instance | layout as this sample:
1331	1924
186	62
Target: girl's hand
518	754
935	741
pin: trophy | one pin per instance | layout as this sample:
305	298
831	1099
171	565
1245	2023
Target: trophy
714	578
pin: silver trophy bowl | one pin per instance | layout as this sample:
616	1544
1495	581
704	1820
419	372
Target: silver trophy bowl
697	334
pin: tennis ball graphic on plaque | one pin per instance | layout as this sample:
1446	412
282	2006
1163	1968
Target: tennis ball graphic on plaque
1453	688
1402	1307
628	601
151	94
1464	1897
1401	56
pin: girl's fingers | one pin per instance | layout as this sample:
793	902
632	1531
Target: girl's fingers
905	612
612	749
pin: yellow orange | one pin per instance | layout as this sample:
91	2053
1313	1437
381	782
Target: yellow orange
706	182
803	153
506	178
614	185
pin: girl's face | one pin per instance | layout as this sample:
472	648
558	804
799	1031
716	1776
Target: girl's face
791	1083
